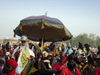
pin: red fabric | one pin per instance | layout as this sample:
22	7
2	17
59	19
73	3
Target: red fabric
31	57
97	71
17	53
56	67
77	71
12	50
61	65
12	63
66	71
63	57
11	74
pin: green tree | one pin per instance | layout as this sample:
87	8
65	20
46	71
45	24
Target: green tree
91	39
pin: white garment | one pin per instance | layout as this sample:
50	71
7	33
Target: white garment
15	50
79	51
23	58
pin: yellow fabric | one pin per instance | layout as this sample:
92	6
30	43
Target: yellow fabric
40	48
46	54
44	45
80	66
57	52
26	51
24	57
82	63
24	71
33	69
85	66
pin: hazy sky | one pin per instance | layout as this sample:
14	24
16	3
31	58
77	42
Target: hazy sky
79	16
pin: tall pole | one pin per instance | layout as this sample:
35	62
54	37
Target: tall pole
42	45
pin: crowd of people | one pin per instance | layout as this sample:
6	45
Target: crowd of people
30	59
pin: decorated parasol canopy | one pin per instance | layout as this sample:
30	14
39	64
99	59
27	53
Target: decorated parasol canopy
38	28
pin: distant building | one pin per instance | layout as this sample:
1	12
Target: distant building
11	41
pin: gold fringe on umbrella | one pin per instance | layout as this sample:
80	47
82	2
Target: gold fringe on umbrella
14	35
42	26
71	40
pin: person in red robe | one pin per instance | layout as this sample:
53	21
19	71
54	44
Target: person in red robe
71	69
11	66
97	70
61	65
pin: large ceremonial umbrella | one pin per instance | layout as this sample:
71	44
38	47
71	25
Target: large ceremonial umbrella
44	28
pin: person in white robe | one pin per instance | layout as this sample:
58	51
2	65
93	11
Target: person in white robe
25	54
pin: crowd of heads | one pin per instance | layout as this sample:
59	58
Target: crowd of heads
49	56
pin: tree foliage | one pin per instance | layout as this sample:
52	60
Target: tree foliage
91	39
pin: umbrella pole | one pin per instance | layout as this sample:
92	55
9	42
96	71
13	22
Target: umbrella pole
42	45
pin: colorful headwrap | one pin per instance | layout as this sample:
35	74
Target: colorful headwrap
63	57
12	63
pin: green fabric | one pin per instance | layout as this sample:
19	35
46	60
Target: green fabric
42	68
5	73
29	67
74	73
